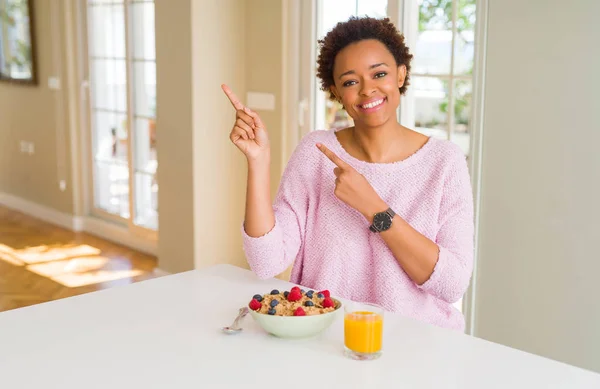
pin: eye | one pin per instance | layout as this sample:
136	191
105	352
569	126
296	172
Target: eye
380	74
349	83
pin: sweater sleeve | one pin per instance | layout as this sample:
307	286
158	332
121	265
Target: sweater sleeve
271	254
455	238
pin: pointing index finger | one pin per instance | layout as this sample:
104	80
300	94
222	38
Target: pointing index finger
332	156
232	97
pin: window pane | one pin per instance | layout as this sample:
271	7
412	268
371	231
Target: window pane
15	61
146	204
144	74
146	200
145	146
107	29
112	187
431	100
464	41
434	40
332	12
143	30
462	113
373	8
110	137
109	84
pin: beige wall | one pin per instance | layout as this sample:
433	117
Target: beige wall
539	263
264	73
202	175
174	135
264	69
39	115
219	56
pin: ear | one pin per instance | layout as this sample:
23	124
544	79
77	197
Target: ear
334	91
401	75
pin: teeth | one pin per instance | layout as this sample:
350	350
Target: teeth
373	104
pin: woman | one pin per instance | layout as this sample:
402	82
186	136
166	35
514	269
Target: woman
376	212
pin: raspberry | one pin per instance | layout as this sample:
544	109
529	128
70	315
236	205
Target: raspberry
294	295
325	293
255	305
299	312
328	303
295	288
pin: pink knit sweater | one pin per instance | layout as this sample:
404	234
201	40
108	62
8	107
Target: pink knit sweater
332	248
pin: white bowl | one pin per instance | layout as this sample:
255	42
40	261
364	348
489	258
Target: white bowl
295	327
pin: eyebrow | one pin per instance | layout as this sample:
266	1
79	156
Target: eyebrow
370	67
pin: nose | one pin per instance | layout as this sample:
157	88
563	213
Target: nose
367	88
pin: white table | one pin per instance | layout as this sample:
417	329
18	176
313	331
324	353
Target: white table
165	333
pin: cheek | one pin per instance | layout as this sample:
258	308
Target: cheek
347	94
348	98
393	92
392	87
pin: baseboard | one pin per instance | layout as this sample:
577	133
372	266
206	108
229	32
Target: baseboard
161	272
103	229
42	212
118	234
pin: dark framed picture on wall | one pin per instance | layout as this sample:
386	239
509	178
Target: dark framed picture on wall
17	43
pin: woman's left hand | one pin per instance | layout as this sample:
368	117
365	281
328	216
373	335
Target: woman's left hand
353	188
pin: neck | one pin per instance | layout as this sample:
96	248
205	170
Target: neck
379	144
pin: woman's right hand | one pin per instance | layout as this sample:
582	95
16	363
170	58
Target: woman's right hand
248	133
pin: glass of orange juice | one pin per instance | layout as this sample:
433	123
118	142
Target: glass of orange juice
363	330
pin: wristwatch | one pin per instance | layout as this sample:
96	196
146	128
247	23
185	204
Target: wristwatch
382	221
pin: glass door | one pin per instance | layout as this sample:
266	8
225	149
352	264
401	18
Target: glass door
121	66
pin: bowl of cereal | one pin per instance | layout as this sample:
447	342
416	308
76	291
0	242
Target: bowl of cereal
295	313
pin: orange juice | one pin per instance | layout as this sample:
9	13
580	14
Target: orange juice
363	331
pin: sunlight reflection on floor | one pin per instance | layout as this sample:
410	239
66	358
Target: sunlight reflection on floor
70	265
7	254
45	253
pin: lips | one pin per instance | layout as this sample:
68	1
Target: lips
373	104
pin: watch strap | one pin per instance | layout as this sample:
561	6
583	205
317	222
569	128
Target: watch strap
390	212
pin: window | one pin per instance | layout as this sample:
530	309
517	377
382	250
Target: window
122	75
442	41
440	34
16	46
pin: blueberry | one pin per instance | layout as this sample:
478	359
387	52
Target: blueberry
309	294
309	303
257	297
302	291
274	291
320	295
271	311
274	303
285	294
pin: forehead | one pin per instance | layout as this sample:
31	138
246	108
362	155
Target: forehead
362	54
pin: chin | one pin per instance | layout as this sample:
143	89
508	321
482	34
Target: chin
374	121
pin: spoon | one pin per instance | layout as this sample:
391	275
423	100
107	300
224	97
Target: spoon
234	328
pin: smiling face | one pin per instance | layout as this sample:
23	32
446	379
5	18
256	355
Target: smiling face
367	81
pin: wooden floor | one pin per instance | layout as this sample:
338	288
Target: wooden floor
40	262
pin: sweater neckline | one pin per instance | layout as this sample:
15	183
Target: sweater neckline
411	159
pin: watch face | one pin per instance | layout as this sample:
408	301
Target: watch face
382	221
